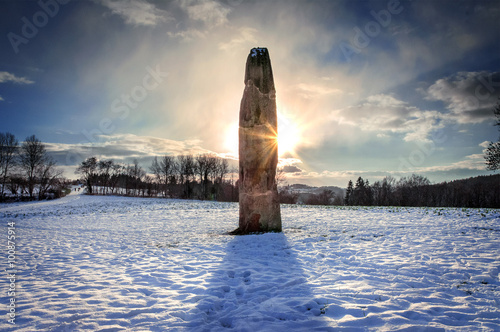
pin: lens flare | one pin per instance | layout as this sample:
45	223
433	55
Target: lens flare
288	135
287	138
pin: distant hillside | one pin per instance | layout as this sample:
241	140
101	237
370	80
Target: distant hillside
303	188
304	194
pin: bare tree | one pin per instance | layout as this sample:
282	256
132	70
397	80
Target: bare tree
136	174
48	176
163	171
104	167
116	172
88	169
234	184
325	197
17	184
206	167
186	172
280	177
8	148
32	157
202	168
221	170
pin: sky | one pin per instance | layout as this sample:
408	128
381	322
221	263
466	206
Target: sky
364	88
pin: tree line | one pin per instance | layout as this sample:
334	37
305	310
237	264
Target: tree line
416	190
27	171
203	176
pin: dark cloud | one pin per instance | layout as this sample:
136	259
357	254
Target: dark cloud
470	96
291	169
122	148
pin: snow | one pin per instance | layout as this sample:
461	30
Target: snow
116	263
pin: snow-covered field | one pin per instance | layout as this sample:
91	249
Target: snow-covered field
117	263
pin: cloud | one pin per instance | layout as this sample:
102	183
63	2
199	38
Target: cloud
309	91
202	15
246	36
470	96
8	77
122	148
1	99
474	162
291	169
385	114
187	35
137	12
210	12
484	144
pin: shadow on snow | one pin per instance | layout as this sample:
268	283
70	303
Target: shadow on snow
260	286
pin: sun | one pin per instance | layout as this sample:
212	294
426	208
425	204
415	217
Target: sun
288	135
231	140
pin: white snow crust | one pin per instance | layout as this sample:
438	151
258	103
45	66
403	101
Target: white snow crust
94	263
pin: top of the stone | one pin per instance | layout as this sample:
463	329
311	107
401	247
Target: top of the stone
258	69
258	51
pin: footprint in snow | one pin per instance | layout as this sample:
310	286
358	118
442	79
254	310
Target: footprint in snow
145	291
246	277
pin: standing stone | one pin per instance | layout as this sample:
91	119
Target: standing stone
258	148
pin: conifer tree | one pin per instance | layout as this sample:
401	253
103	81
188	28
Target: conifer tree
493	151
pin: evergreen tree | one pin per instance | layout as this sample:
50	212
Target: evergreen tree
359	192
493	151
348	194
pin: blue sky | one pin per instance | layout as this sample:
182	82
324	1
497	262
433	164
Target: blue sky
364	88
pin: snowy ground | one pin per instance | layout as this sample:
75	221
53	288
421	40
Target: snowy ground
116	263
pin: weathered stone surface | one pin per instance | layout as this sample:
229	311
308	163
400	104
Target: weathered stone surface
258	148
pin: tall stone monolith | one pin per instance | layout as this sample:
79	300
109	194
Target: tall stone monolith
258	148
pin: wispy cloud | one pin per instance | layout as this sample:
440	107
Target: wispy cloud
385	114
137	12
187	35
470	162
202	16
9	77
309	91
210	12
484	144
246	35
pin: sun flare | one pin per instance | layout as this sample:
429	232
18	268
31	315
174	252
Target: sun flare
289	136
231	140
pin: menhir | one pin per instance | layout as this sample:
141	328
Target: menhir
258	148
